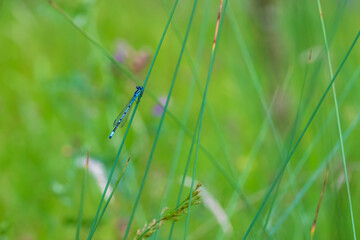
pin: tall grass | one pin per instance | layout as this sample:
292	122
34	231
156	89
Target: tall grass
265	108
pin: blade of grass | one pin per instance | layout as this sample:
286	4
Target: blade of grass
208	107
337	118
186	114
163	113
112	192
82	201
254	77
320	133
91	233
132	116
184	175
301	136
305	156
319	204
252	155
292	137
194	138
218	29
312	179
255	81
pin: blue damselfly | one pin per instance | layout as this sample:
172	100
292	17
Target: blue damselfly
124	114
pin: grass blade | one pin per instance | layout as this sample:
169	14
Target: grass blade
218	28
112	192
318	207
186	114
164	110
337	118
311	180
301	136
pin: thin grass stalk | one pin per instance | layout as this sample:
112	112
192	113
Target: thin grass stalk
208	107
337	119
220	137
186	114
177	153
320	133
164	110
91	233
253	152
218	29
312	179
184	175
267	218
255	78
82	198
305	156
301	136
292	137
112	193
325	125
257	85
312	231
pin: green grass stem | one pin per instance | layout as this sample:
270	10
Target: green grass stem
112	193
201	113
300	137
186	114
312	179
164	110
337	119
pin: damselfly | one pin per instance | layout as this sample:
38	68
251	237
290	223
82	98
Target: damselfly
124	114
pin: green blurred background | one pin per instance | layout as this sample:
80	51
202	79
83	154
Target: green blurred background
59	95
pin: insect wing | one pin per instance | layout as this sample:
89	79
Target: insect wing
121	114
128	113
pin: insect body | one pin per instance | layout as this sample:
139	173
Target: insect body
124	114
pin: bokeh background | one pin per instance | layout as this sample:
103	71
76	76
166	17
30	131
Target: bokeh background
59	95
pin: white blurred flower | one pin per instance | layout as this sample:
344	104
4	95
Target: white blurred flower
97	169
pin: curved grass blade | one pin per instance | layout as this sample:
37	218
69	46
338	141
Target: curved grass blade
312	179
163	114
188	105
184	175
218	29
255	79
292	137
320	133
91	233
337	119
112	192
300	137
318	206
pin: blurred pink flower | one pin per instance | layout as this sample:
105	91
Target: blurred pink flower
122	51
140	60
158	109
